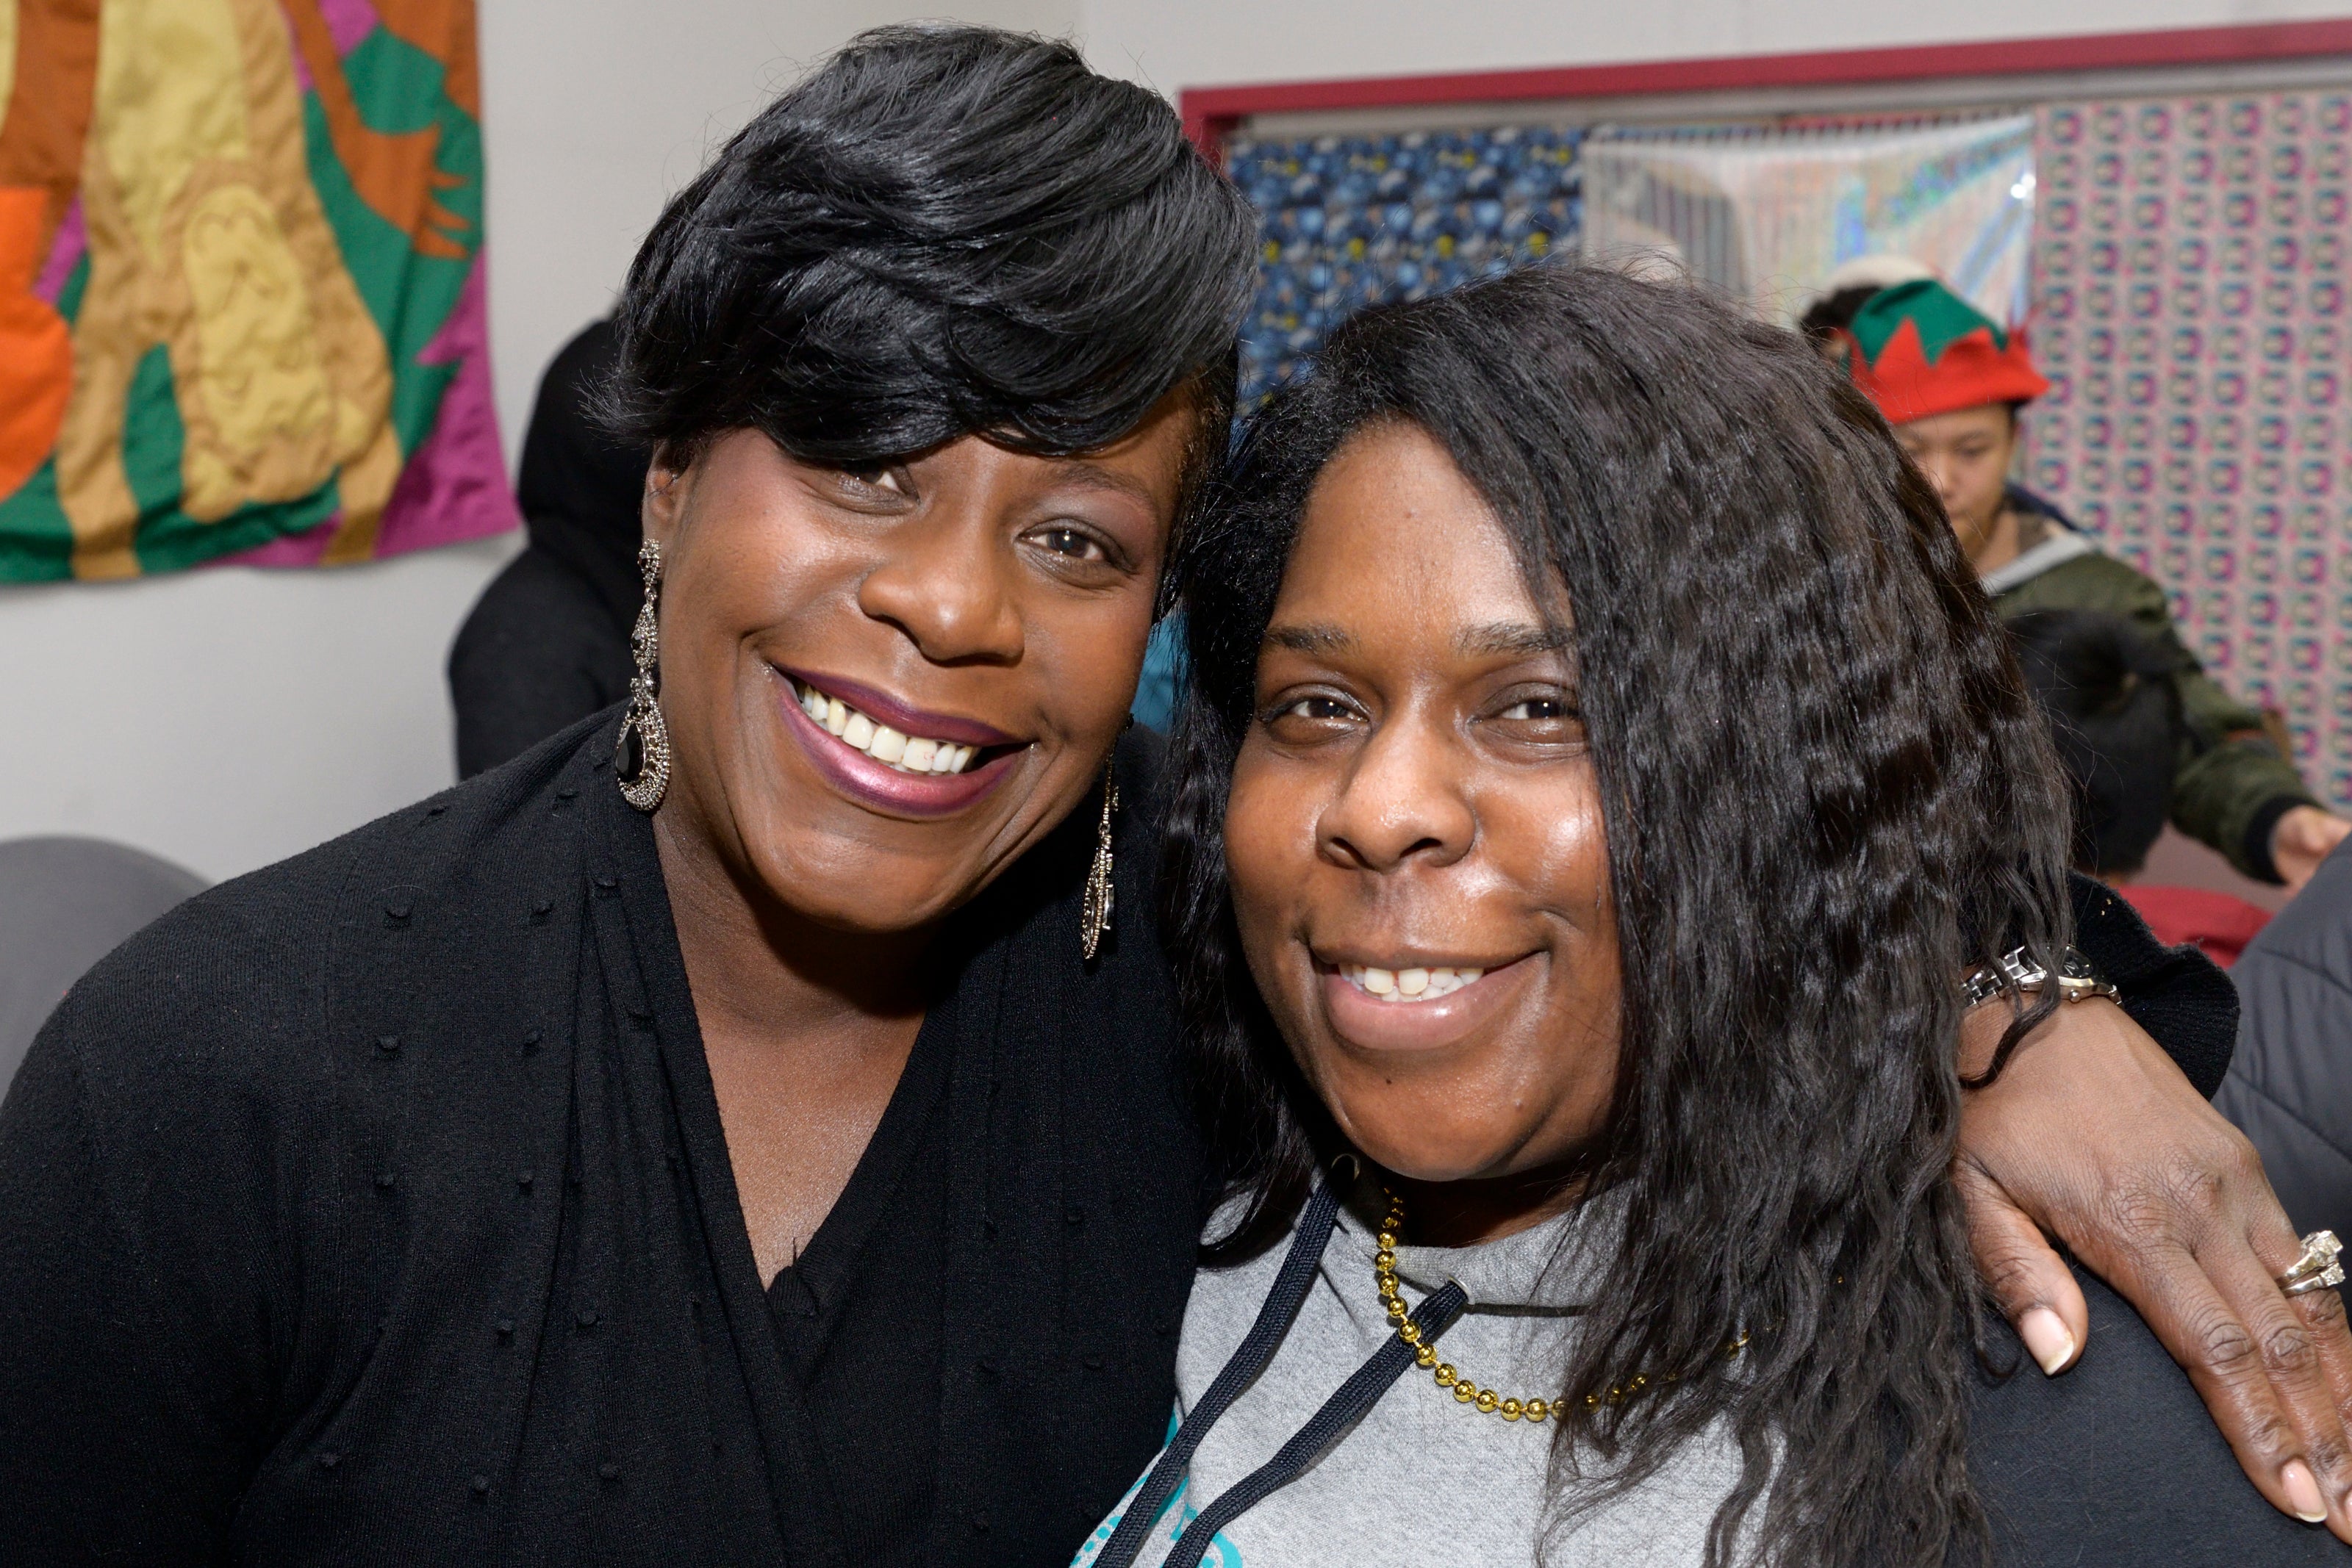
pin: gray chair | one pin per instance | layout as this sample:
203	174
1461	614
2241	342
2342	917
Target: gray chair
65	904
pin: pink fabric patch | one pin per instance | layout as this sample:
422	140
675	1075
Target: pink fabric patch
70	245
295	549
455	484
350	21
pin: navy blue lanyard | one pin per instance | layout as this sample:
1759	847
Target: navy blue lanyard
1326	1427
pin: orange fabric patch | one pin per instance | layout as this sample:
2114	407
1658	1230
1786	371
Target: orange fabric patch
36	350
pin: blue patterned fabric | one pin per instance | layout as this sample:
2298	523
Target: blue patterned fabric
1350	221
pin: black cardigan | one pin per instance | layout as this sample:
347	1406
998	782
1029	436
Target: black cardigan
374	1209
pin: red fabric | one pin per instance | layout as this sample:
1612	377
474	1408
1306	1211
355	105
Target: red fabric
2219	925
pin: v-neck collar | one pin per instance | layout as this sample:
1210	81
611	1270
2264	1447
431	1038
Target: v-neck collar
638	939
806	1294
1026	1026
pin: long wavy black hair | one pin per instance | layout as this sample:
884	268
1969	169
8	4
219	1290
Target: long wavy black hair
1825	795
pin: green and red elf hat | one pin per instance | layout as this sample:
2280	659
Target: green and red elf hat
1920	349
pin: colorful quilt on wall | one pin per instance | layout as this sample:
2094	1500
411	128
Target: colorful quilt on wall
241	302
1350	221
2190	283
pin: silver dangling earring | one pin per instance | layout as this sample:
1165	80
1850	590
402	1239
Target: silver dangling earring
1094	915
641	758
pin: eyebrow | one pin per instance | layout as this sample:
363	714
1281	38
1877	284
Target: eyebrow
1310	638
1506	639
1515	639
1088	476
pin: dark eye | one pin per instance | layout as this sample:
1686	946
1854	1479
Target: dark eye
887	480
1075	543
1311	719
1539	719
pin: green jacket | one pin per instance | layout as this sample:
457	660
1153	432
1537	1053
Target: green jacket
2232	785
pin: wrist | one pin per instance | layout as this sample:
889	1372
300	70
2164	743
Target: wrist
2017	976
2260	848
2075	976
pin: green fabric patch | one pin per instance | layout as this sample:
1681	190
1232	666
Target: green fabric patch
398	88
76	285
36	540
1942	316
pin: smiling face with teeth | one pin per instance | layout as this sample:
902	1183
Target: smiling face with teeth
883	687
1414	838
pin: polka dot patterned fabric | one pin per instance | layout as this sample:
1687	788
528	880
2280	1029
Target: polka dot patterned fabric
2190	286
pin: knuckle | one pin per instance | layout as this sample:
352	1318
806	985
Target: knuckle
2323	1310
1970	1180
2288	1350
2225	1347
2240	1161
2327	1455
2009	1273
2267	1433
2179	1195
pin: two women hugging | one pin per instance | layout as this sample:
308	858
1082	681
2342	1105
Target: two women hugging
780	1118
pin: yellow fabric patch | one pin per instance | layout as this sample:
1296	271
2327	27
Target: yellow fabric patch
170	95
7	60
263	379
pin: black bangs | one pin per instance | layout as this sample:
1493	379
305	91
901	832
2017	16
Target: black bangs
945	231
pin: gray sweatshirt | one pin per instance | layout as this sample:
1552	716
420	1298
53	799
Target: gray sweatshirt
1422	1479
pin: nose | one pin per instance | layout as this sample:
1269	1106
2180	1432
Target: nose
1400	803
946	582
1939	469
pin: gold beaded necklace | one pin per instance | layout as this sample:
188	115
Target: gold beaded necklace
1486	1401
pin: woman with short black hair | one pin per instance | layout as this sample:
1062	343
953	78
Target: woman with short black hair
781	1161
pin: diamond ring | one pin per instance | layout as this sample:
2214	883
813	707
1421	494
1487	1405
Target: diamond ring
2317	1266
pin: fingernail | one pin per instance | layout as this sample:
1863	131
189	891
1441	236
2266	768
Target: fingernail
2303	1493
2050	1344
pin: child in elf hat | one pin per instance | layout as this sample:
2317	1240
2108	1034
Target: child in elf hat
1950	382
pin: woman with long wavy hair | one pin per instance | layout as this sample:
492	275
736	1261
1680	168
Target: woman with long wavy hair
1598	774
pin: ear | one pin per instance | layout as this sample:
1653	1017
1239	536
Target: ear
669	480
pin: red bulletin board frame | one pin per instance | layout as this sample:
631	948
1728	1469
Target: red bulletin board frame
1212	113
